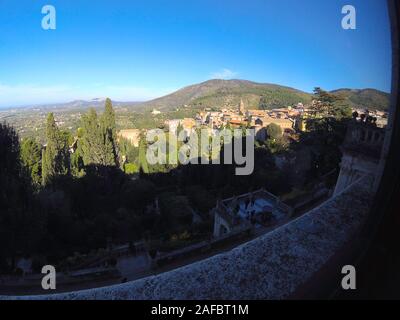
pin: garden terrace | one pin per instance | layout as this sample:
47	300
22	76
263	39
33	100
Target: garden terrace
275	265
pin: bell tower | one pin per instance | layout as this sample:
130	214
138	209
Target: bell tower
242	109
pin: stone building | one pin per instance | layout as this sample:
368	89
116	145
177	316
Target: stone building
172	124
254	209
361	153
256	113
188	124
133	135
285	124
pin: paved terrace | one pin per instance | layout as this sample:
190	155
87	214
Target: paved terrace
272	266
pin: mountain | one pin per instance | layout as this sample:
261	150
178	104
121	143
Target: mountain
365	98
228	93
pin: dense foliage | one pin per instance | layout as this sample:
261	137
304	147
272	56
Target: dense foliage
80	192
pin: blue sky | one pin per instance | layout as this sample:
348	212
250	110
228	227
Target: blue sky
138	50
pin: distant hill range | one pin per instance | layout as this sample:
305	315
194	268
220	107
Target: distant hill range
97	103
93	103
365	98
228	93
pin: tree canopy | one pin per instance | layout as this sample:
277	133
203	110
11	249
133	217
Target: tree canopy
274	131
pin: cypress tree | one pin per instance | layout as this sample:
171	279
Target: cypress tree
98	141
108	128
144	166
45	172
77	165
109	119
31	157
91	142
55	159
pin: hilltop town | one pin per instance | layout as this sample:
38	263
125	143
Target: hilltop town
211	104
290	119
